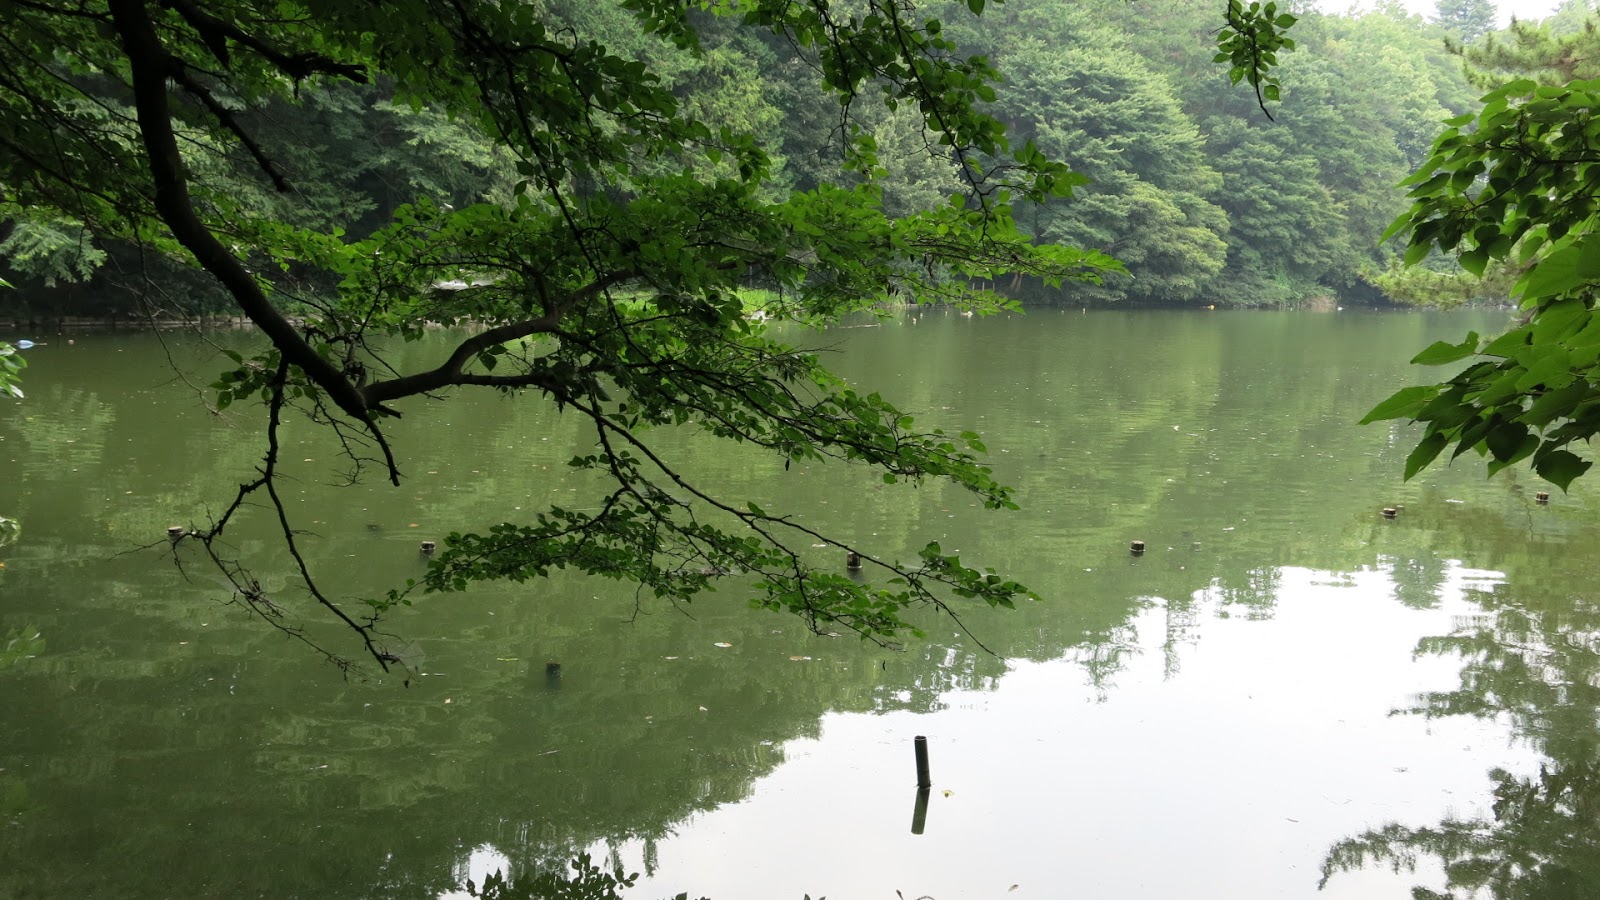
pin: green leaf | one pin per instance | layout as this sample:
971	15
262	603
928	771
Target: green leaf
1554	320
1400	224
1511	441
1404	403
1426	451
1509	344
1559	467
1564	269
1441	352
1502	388
1549	364
1557	403
1523	451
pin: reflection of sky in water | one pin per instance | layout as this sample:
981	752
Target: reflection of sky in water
1230	774
1162	722
480	864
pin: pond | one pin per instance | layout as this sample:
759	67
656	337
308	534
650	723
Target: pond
1287	695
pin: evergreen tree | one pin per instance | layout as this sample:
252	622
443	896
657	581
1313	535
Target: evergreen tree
1535	50
1466	21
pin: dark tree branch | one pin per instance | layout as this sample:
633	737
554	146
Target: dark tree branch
150	66
224	115
298	66
247	588
450	372
762	524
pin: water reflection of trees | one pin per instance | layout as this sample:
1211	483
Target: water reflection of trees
154	711
1532	659
1542	842
587	881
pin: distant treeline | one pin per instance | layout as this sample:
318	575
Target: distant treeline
1205	198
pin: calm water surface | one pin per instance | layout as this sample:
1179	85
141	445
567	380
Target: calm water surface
1283	697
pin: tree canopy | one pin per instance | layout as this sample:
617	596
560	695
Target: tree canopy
1261	212
1467	21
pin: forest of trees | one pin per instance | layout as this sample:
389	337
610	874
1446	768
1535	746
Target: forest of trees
1202	196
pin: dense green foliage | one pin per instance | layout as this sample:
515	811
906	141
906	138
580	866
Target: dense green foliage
1467	21
1553	52
1200	195
11	363
1204	199
1512	189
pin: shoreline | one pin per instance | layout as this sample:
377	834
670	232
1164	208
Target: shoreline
78	324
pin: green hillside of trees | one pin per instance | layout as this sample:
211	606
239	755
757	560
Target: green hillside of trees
1205	198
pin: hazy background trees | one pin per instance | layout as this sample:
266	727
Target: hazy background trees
1204	197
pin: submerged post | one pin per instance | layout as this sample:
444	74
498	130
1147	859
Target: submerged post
923	779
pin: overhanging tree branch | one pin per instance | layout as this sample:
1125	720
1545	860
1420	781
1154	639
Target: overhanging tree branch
216	33
150	67
450	372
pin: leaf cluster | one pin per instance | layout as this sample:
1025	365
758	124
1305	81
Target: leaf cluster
1250	44
1515	183
11	365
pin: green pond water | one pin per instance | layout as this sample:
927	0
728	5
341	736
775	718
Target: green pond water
1284	697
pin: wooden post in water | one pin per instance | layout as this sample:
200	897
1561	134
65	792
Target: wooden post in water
919	813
